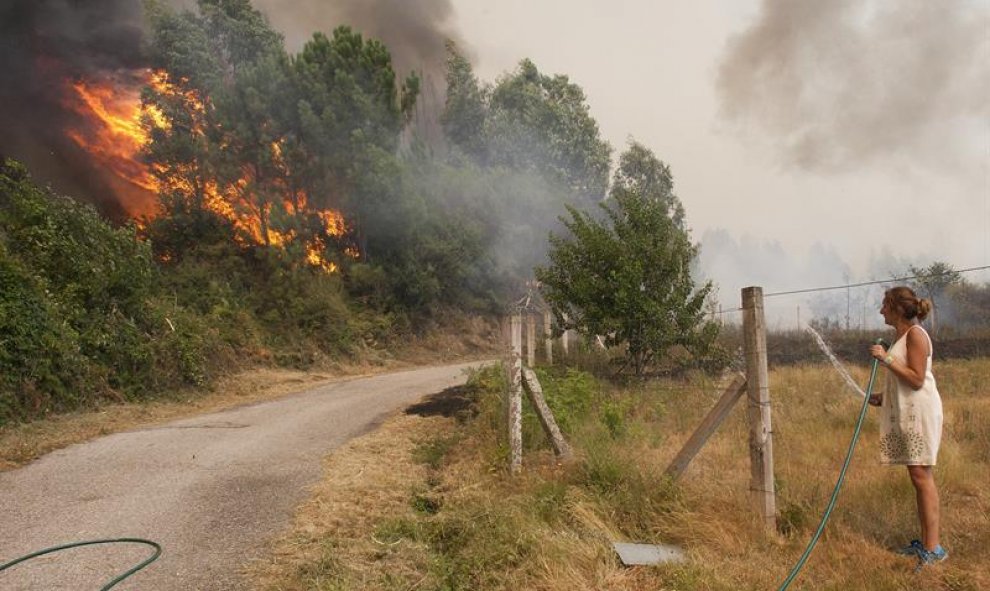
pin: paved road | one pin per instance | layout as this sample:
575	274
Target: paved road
212	490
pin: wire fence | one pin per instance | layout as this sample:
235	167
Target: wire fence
856	306
848	323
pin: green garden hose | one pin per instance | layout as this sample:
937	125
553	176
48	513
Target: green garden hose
144	563
838	485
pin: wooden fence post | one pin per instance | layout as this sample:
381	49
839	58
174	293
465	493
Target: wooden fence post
535	392
758	408
515	398
530	339
548	337
708	426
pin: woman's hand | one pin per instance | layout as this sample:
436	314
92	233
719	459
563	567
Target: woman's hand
878	352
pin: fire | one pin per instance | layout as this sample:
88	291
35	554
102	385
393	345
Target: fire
112	134
115	133
160	81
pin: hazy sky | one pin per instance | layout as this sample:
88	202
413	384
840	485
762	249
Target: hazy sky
820	130
812	142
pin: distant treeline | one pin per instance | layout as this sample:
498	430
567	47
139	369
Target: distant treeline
850	346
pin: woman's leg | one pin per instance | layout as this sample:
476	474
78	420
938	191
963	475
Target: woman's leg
923	479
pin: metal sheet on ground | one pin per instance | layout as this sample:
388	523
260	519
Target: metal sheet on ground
647	554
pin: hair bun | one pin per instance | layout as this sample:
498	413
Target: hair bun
924	307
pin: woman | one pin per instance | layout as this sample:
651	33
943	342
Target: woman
911	413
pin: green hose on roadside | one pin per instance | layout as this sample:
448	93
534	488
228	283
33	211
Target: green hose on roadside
136	568
842	476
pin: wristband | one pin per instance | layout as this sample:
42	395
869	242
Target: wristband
888	360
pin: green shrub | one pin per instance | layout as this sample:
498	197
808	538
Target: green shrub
634	493
474	548
571	396
41	369
550	499
84	314
427	504
89	267
73	300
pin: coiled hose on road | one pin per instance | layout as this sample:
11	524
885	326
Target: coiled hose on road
131	571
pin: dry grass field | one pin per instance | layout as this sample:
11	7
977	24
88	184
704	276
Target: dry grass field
426	504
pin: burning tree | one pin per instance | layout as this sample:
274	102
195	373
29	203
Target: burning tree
263	140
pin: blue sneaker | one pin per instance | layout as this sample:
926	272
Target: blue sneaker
912	549
926	558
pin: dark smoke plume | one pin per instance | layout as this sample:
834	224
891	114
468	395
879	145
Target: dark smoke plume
415	31
44	46
840	83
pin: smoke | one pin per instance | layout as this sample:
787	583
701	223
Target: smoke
415	31
44	46
739	263
841	83
797	277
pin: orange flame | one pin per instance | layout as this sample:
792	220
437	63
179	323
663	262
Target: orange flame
114	137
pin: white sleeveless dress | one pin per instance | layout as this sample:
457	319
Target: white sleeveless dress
910	420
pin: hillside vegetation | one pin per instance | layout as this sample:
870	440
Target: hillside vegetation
301	215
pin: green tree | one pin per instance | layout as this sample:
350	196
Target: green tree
465	110
626	277
351	112
543	123
222	115
642	173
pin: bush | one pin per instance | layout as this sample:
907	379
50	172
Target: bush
41	368
83	311
571	396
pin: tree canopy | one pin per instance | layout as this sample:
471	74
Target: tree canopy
626	276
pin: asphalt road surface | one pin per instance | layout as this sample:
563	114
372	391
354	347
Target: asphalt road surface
212	490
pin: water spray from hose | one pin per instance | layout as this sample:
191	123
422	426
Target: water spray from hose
835	361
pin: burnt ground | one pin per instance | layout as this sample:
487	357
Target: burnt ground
456	402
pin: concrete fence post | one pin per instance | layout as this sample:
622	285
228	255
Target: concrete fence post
530	339
548	337
515	397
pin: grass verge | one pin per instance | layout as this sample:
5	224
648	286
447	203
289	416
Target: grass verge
425	503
